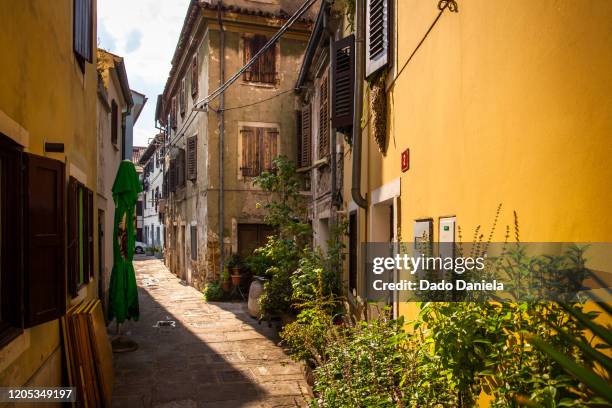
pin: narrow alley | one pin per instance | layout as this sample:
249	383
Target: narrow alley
197	354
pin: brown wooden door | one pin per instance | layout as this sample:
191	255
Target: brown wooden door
252	236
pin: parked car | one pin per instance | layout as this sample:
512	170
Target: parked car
140	248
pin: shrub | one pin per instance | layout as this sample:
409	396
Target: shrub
377	364
307	336
213	292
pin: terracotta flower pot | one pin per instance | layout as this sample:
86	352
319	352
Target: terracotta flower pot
226	286
236	280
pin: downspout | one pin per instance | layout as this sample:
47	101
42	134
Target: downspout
221	116
359	199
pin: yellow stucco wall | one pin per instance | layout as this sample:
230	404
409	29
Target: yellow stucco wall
504	103
45	97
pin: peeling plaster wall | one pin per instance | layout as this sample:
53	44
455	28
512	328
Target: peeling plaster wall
198	202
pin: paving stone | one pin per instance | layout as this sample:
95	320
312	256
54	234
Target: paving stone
215	356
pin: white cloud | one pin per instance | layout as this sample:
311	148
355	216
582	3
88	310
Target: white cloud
145	33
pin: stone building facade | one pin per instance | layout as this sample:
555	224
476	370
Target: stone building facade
258	123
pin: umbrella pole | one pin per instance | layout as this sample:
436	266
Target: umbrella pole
122	344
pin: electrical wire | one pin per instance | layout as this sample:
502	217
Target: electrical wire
202	103
303	8
256	103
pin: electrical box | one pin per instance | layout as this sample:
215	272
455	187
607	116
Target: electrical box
446	236
447	229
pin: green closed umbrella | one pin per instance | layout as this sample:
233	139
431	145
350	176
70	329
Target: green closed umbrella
123	293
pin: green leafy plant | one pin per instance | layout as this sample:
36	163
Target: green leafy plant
213	292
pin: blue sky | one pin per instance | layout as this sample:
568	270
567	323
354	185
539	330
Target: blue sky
144	33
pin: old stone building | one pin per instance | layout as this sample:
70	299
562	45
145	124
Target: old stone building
214	153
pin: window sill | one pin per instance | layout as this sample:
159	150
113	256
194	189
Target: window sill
260	84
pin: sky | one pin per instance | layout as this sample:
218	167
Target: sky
144	33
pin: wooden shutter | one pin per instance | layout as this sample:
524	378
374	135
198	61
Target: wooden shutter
45	280
180	168
269	148
249	166
306	144
192	157
377	35
268	68
173	112
324	118
83	29
248	54
73	235
343	66
182	99
194	77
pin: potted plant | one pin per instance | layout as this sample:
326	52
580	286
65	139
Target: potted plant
234	264
225	280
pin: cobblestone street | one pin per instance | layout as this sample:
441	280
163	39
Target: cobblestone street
215	355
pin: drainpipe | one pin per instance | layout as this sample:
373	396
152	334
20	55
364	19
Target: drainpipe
221	116
359	199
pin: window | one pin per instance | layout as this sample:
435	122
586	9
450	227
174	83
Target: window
377	35
194	242
83	30
192	158
80	235
194	77
324	118
304	136
10	240
180	168
343	66
173	112
264	69
114	122
32	275
182	99
259	148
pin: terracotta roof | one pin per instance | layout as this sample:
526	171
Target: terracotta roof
137	152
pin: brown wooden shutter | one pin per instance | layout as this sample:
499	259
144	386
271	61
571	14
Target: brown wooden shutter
377	35
324	118
173	112
194	77
343	66
72	222
192	157
269	148
45	279
182	100
248	54
250	160
269	65
306	144
180	168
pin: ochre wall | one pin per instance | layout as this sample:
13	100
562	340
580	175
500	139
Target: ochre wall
504	103
45	97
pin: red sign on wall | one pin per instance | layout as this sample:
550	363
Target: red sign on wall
405	160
